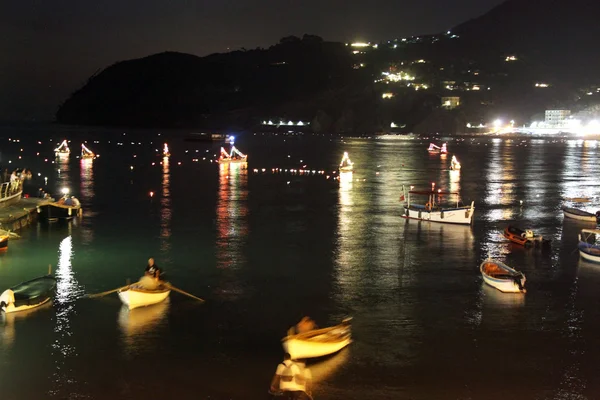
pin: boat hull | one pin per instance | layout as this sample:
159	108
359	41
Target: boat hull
301	349
238	161
134	298
319	342
579	215
516	235
53	212
28	295
505	285
346	169
460	216
589	252
4	243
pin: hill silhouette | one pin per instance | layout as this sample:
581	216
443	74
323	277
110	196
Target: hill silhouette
324	82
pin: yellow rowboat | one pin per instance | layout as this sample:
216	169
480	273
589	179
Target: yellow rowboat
318	342
135	296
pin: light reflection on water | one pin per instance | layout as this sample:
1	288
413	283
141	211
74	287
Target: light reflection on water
165	210
67	292
86	197
232	227
140	327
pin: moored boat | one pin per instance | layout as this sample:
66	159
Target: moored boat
63	149
86	153
589	251
580	215
435	212
4	242
525	238
235	156
65	209
27	295
502	277
454	164
138	295
318	342
433	148
346	165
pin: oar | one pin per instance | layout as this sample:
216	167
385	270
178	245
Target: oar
91	296
49	269
182	292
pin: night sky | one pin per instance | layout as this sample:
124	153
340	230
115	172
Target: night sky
50	48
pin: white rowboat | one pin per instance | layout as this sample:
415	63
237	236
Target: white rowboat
580	215
135	296
434	212
589	251
319	342
502	277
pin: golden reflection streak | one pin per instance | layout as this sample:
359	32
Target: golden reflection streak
574	182
345	229
67	291
63	178
232	212
501	176
138	325
86	194
165	208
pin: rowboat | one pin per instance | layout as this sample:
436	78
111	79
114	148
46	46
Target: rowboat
589	251
63	149
86	153
57	210
4	242
525	238
434	149
137	295
580	215
502	277
346	165
434	212
27	295
454	164
318	342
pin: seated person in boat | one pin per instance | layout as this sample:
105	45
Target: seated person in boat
306	324
152	270
293	379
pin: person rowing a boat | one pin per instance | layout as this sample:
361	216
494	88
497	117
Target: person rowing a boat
306	324
152	270
292	380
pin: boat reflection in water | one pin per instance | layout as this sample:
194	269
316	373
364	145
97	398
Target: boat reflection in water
139	326
8	321
588	281
452	239
324	369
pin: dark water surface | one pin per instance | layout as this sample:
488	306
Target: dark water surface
266	248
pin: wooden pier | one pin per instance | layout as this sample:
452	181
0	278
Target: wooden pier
20	214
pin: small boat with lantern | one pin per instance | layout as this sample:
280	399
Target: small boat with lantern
86	154
433	210
65	208
454	164
435	149
525	238
502	277
235	156
63	150
346	165
166	152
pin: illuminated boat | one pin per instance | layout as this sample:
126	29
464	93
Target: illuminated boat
86	153
27	295
235	156
454	164
434	212
346	165
63	149
589	251
524	237
138	295
318	342
580	215
434	149
4	242
502	277
166	152
66	208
